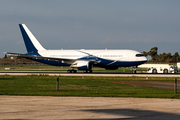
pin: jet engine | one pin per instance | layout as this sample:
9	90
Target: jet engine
84	65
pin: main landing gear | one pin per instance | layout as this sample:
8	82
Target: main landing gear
72	71
75	71
87	71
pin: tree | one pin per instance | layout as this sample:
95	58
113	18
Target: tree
165	57
5	56
175	57
145	53
153	53
168	57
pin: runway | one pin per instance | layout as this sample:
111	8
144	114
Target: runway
64	73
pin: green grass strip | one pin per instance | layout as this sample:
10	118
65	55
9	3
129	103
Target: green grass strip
44	85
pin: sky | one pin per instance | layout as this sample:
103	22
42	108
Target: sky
92	24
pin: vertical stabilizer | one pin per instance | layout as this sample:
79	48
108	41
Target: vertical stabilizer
32	44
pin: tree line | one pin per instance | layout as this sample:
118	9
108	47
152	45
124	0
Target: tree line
161	58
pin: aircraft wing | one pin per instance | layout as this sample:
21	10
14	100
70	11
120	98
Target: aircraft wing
74	63
40	57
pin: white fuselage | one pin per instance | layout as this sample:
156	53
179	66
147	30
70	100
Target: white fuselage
117	55
110	56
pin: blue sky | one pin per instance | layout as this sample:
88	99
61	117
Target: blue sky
92	24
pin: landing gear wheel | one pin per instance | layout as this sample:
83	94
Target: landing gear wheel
87	71
134	71
71	71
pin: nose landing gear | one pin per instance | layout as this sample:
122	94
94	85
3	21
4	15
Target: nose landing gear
134	69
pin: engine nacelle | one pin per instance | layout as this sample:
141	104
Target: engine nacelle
84	65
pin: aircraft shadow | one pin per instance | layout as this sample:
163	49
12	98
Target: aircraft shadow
134	114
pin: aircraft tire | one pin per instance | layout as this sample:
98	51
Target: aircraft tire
134	71
71	71
87	71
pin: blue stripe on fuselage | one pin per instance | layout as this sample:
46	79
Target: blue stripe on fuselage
103	62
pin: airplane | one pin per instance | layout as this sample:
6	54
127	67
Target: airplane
80	59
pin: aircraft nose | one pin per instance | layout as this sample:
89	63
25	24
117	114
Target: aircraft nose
140	57
143	59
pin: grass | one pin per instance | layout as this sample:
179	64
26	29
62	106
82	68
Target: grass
32	67
44	85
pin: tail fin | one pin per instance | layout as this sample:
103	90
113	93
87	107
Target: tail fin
32	44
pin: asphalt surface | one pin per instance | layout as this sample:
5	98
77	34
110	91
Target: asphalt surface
87	74
88	108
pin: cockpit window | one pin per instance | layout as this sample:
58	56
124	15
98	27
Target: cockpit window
139	55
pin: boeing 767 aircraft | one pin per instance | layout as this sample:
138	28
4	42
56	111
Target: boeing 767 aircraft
78	59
